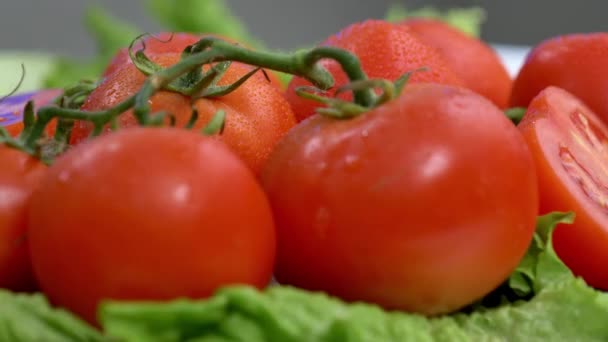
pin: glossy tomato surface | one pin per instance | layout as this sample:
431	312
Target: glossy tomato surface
424	204
570	147
257	114
386	50
148	213
573	62
473	60
19	175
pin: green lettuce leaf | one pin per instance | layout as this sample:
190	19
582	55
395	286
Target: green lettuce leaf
208	16
560	308
468	20
539	268
110	35
566	311
29	318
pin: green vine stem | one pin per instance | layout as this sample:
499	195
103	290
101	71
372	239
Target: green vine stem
303	63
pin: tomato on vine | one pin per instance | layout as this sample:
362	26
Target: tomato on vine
386	51
408	205
257	114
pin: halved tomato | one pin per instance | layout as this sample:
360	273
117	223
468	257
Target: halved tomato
570	147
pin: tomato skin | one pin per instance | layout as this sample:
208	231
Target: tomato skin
565	138
19	175
257	114
386	50
408	206
573	62
474	61
196	220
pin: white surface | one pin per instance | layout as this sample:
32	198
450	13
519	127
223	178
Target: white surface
512	55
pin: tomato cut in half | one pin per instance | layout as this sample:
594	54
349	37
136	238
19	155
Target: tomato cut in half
570	147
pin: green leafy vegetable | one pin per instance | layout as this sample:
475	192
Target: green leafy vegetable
550	304
195	16
563	308
37	65
110	35
29	318
541	266
468	20
567	311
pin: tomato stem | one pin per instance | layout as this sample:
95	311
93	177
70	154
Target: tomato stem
191	81
100	118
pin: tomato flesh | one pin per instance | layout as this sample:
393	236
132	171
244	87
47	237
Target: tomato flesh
570	146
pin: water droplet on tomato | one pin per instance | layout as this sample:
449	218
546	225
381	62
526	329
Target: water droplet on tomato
321	222
351	161
364	133
64	176
181	193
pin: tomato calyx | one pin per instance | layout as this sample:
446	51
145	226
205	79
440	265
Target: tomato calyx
343	109
196	83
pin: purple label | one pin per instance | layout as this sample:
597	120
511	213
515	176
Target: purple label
11	108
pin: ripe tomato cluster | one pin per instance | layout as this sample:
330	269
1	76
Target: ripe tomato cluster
426	201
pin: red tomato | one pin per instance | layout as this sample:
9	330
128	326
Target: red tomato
11	109
570	147
386	51
168	42
474	61
575	63
148	213
19	175
257	114
423	204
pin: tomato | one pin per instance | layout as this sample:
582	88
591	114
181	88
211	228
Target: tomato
573	62
257	114
19	175
170	42
386	50
148	213
11	109
570	147
423	204
474	61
